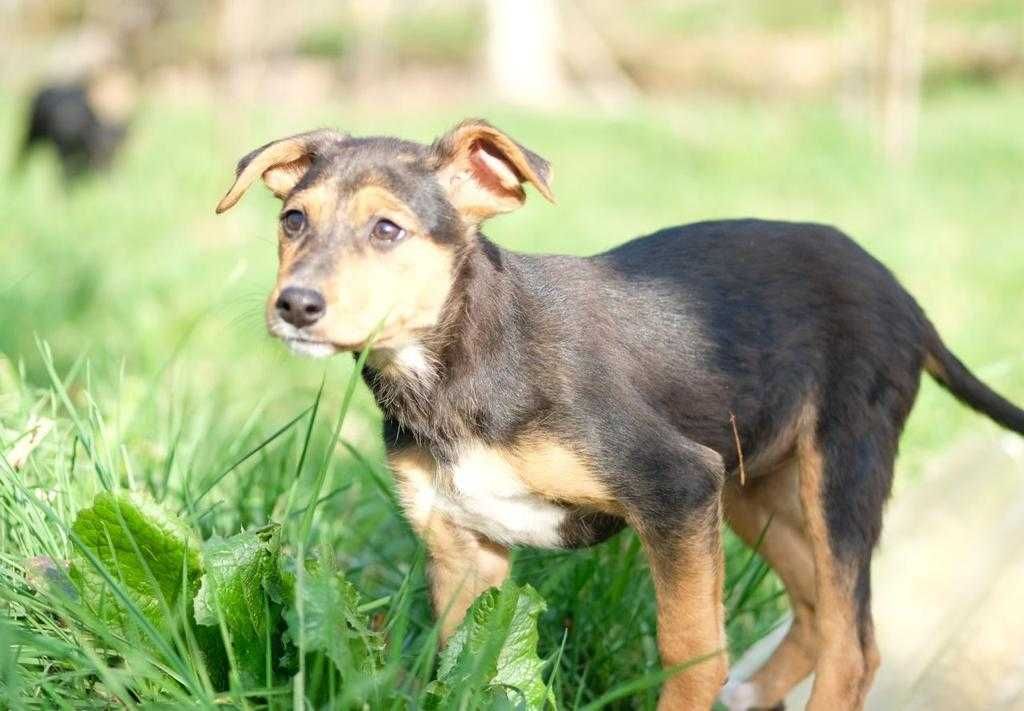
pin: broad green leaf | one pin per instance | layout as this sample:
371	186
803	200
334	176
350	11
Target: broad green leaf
495	648
142	548
331	622
238	573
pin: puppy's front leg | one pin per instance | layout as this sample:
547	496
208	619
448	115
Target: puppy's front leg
688	585
678	515
461	568
462	563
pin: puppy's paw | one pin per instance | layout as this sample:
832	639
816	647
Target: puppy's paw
743	696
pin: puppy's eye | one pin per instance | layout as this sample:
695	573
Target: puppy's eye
293	221
386	232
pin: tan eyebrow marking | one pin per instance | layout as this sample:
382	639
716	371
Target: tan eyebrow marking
373	200
317	201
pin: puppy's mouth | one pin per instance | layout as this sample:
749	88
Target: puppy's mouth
311	348
307	344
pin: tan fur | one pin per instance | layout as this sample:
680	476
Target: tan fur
550	470
842	670
373	201
462	563
556	472
318	201
781	448
282	178
688	584
935	368
280	153
404	289
484	170
748	510
823	637
474	201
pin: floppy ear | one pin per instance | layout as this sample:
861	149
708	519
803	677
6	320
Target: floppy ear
483	170
280	163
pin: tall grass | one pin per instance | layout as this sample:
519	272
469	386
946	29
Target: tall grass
598	633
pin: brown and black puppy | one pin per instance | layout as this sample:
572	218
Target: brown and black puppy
550	400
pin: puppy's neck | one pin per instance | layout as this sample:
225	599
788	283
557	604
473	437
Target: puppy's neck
411	362
428	387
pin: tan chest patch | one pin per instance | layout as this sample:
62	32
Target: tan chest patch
554	471
518	496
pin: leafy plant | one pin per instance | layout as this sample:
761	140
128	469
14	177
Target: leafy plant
253	610
324	617
239	573
495	648
129	538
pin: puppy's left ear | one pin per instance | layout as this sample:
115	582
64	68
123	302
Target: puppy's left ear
483	171
281	164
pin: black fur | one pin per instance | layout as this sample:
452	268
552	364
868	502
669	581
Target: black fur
640	356
634	354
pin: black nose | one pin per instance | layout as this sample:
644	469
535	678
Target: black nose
300	307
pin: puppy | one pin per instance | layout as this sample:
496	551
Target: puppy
752	370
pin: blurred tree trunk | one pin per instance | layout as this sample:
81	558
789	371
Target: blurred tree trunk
593	61
240	28
882	53
858	57
524	51
369	60
900	80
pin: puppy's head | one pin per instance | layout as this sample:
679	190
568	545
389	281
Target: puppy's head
370	229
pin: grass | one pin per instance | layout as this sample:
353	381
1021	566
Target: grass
132	317
787	15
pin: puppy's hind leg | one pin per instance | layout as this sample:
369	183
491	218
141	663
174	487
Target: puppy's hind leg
844	479
768	511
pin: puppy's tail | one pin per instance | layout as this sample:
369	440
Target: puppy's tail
954	376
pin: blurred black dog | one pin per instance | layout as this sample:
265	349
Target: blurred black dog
71	117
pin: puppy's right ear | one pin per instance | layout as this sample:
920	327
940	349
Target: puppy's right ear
281	164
